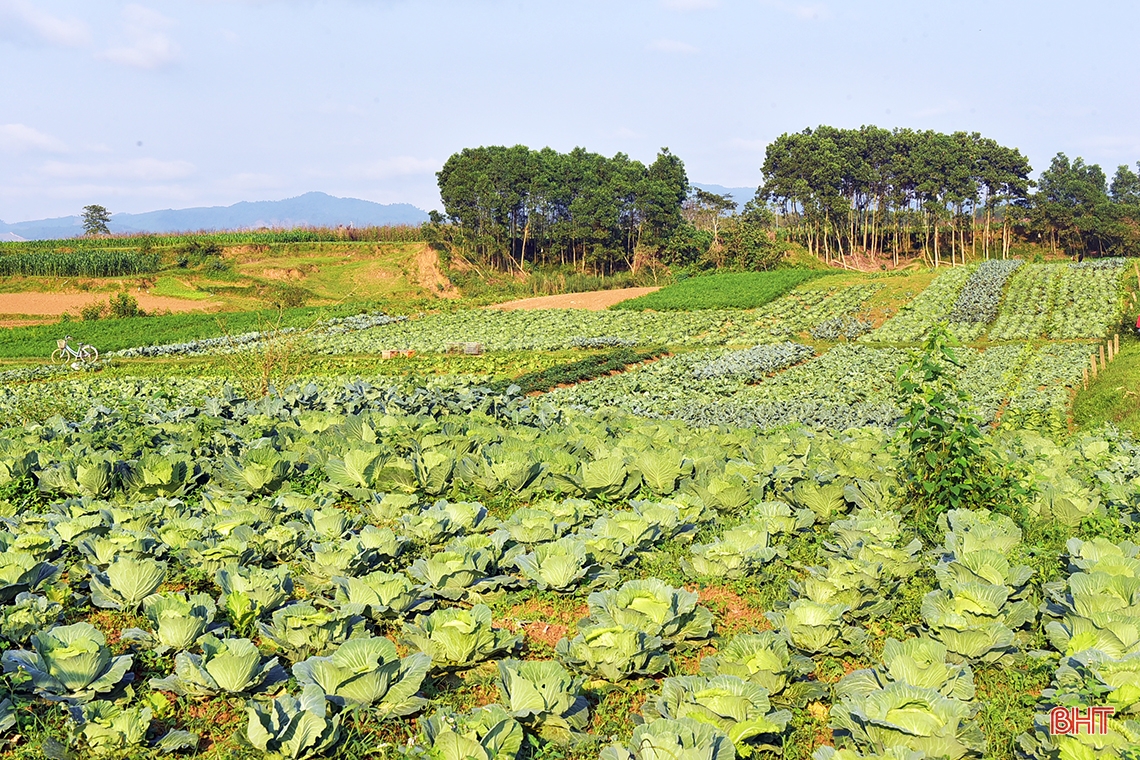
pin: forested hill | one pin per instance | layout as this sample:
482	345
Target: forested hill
308	210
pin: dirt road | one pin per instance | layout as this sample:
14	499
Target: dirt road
595	300
54	304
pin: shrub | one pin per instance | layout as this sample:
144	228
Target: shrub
93	311
124	305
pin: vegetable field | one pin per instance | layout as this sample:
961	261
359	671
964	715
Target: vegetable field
630	534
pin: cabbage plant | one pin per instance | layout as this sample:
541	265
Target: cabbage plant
653	607
368	673
457	638
739	708
69	662
109	729
562	566
909	717
818	628
300	630
178	620
27	615
664	739
293	728
126	582
384	596
764	658
544	697
975	621
737	553
613	653
226	666
21	572
484	733
917	661
258	471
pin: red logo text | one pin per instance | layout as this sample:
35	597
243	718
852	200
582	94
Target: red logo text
1065	721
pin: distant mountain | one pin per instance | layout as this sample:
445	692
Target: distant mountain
739	194
308	210
10	237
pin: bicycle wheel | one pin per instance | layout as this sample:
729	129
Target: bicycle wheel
58	356
88	353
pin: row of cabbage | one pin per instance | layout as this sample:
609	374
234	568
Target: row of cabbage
1062	301
977	304
252	340
848	386
801	311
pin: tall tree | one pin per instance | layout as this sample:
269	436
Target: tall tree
96	220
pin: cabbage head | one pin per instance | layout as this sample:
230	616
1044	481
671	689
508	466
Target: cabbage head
300	630
765	659
484	733
665	739
456	638
71	662
293	728
613	653
544	697
226	666
368	672
126	582
384	596
739	708
655	608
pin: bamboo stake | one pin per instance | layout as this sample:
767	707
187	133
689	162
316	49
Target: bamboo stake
1092	361
1102	357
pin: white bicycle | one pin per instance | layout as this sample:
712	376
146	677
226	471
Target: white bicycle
84	352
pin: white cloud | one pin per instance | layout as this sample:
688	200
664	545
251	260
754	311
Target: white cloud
142	169
691	5
19	138
671	46
20	19
148	46
400	166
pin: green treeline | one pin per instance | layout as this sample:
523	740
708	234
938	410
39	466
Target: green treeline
873	190
902	193
515	206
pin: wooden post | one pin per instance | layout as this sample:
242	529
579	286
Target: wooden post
1085	379
1092	361
1110	354
1116	342
1102	357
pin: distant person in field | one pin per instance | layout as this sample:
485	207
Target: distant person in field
1138	325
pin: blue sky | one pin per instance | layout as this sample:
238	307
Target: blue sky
176	103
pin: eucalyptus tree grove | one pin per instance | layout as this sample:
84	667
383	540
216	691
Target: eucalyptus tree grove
516	206
898	191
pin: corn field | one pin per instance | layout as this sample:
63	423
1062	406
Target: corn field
47	263
390	234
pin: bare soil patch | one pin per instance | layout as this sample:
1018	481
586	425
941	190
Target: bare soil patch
431	276
55	304
595	300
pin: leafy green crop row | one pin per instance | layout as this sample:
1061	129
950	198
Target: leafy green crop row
731	290
925	310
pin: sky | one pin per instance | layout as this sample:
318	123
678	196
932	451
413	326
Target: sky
179	103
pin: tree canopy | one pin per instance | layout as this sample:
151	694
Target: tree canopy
544	207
